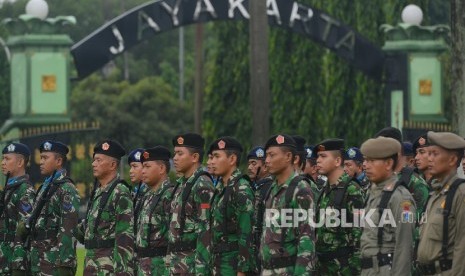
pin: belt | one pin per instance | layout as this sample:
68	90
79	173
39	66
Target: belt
383	259
182	246
97	244
7	238
150	252
344	252
430	269
280	262
45	235
223	247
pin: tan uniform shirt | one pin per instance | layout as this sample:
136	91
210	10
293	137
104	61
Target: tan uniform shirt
398	238
429	248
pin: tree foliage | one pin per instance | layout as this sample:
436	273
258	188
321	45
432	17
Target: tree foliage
314	93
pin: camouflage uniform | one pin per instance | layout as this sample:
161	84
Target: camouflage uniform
298	247
137	201
18	197
189	247
53	244
231	226
152	230
261	189
114	231
337	247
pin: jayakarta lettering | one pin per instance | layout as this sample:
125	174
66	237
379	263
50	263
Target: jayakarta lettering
300	15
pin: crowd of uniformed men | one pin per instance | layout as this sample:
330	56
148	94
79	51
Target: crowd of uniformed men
217	220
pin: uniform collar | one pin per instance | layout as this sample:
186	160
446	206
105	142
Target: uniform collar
443	186
385	185
17	179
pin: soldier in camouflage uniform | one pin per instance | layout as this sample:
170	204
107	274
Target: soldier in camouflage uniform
300	163
109	225
231	212
52	225
16	203
286	250
353	166
387	240
154	218
262	181
337	246
420	148
189	234
135	174
311	171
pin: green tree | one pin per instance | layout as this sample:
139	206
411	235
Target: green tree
143	114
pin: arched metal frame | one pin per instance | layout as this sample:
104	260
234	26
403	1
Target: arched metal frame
147	20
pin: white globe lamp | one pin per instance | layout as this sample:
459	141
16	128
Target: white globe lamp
412	14
37	8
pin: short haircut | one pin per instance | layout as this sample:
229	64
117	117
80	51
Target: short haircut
459	154
292	150
394	159
195	150
64	159
302	161
166	163
236	153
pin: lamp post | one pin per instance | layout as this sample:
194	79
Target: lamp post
40	69
414	70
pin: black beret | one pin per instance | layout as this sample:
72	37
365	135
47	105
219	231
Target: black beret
189	140
420	142
407	149
257	153
330	144
54	146
300	143
135	155
17	148
225	143
280	140
110	148
354	154
156	153
310	154
390	132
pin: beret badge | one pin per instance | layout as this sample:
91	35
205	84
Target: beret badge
280	139
105	146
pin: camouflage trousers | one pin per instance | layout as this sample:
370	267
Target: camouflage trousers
225	263
341	266
43	257
151	266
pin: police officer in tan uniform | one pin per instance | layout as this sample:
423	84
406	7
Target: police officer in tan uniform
386	250
441	250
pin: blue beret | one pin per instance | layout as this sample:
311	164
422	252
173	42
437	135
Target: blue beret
17	148
54	146
110	148
257	153
310	153
354	154
135	155
407	149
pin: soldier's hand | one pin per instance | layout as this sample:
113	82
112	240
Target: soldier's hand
79	232
22	230
17	272
65	271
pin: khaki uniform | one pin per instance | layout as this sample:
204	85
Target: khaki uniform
397	241
429	248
